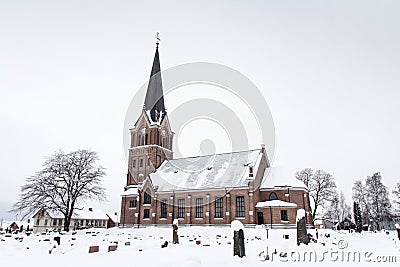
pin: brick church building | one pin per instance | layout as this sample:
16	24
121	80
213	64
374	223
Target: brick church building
206	190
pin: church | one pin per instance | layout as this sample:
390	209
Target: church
204	190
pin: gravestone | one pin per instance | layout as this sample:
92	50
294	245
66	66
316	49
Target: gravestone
57	239
302	236
112	248
398	230
93	249
175	238
238	239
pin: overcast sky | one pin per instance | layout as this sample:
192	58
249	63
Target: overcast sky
329	71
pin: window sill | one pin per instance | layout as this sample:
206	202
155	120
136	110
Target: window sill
218	218
146	205
163	219
284	221
181	219
146	219
132	208
199	218
240	218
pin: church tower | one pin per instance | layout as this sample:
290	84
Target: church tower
151	136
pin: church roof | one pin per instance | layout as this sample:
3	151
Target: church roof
278	177
154	101
226	170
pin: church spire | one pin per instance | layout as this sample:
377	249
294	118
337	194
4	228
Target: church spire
154	101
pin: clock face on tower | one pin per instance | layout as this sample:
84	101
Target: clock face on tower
143	130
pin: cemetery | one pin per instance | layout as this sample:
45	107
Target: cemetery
201	246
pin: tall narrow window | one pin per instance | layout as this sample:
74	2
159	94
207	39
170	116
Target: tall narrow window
141	163
146	214
164	207
147	197
181	208
218	207
240	206
199	208
148	161
132	203
284	216
134	163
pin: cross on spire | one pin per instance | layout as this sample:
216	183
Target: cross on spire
158	39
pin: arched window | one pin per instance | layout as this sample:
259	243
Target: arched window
147	197
273	196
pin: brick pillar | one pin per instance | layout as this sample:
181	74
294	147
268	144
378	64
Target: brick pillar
251	207
228	208
208	215
189	218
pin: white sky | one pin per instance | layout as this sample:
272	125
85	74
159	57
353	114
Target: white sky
329	71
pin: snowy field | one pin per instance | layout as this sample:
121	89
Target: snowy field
142	247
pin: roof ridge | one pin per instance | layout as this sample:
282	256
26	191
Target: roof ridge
232	152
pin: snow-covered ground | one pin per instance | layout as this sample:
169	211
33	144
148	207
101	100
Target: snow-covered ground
216	248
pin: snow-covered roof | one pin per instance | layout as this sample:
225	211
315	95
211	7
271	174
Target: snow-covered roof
278	177
275	203
224	170
114	217
132	191
86	213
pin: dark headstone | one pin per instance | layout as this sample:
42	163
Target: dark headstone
175	238
93	249
164	245
302	236
198	242
235	243
241	244
398	233
57	239
112	248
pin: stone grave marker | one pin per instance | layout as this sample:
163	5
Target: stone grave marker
175	238
93	249
302	236
238	239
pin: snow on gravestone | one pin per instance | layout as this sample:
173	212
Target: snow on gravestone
301	227
238	238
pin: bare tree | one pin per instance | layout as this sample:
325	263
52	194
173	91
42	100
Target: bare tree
396	192
360	197
344	208
321	187
338	209
332	210
377	199
64	182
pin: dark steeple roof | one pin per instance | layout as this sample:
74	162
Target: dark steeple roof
154	102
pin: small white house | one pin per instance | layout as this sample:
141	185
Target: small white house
45	220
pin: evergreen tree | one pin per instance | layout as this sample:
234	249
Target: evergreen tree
357	217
